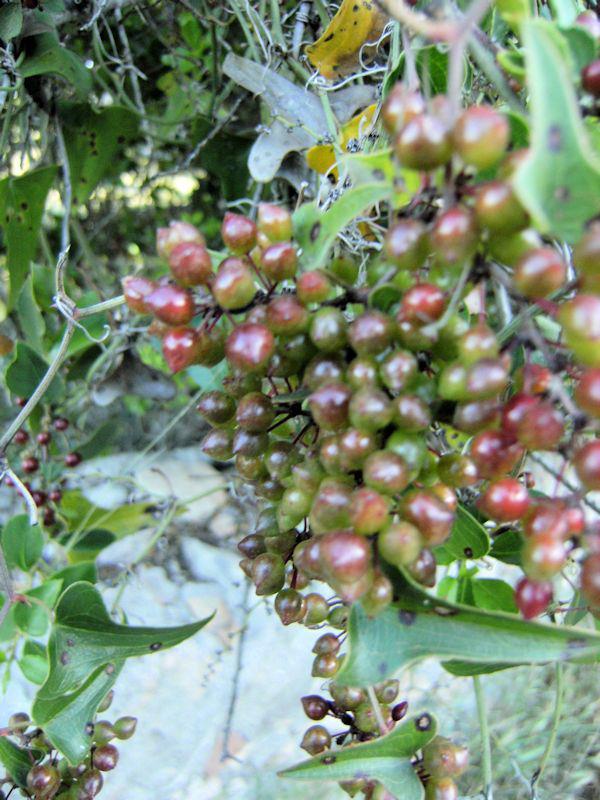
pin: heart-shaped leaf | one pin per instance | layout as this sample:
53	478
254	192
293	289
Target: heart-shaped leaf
22	542
386	759
86	651
27	370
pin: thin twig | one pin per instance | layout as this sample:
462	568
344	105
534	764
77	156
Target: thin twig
225	752
377	710
67	197
486	745
477	10
558	705
437	31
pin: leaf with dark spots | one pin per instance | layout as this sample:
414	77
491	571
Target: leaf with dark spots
470	635
386	759
86	652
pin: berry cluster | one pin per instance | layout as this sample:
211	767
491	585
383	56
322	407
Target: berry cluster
44	448
53	777
338	404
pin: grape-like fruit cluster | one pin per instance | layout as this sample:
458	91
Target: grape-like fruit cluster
343	401
50	775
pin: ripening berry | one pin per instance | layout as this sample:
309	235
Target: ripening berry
477	343
444	759
249	347
274	222
411	413
315	740
313	287
61	424
289	605
454	236
124	727
370	409
21	436
378	596
353	448
279	261
238	233
328	329
105	758
386	472
30	465
331	506
252	545
190	264
541	427
505	500
481	136
371	332
176	233
369	511
286	316
171	304
580	318
498	210
180	348
73	459
44	438
486	378
317	609
268	573
429	514
586	258
329	406
543	556
532	597
590	580
587	465
405	244
495	453
216	407
442	789
233	286
424	143
540	272
587	392
590	78
255	412
423	303
401	105
345	557
315	707
43	780
397	370
400	543
135	290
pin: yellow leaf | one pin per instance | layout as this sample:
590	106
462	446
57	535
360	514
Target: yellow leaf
336	52
321	157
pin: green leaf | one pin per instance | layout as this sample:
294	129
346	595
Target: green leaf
15	761
34	662
86	651
95	143
386	759
582	46
91	544
316	231
559	181
468	539
121	521
493	595
100	439
27	370
421	625
85	571
22	543
33	616
507	547
11	21
30	316
514	12
22	202
49	56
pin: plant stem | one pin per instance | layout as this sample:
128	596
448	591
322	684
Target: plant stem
486	756
377	710
558	705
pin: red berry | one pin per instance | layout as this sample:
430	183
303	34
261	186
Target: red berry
190	264
180	348
590	580
73	459
274	222
405	244
424	143
587	392
30	465
286	316
21	401
429	514
329	406
590	78
61	424
249	347
587	465
55	495
105	757
233	286
171	304
543	556
39	498
345	557
505	500
541	427
481	136
589	20
176	233
454	236
313	287
514	410
401	105
21	436
279	261
540	272
238	232
44	438
495	453
532	597
136	289
423	303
